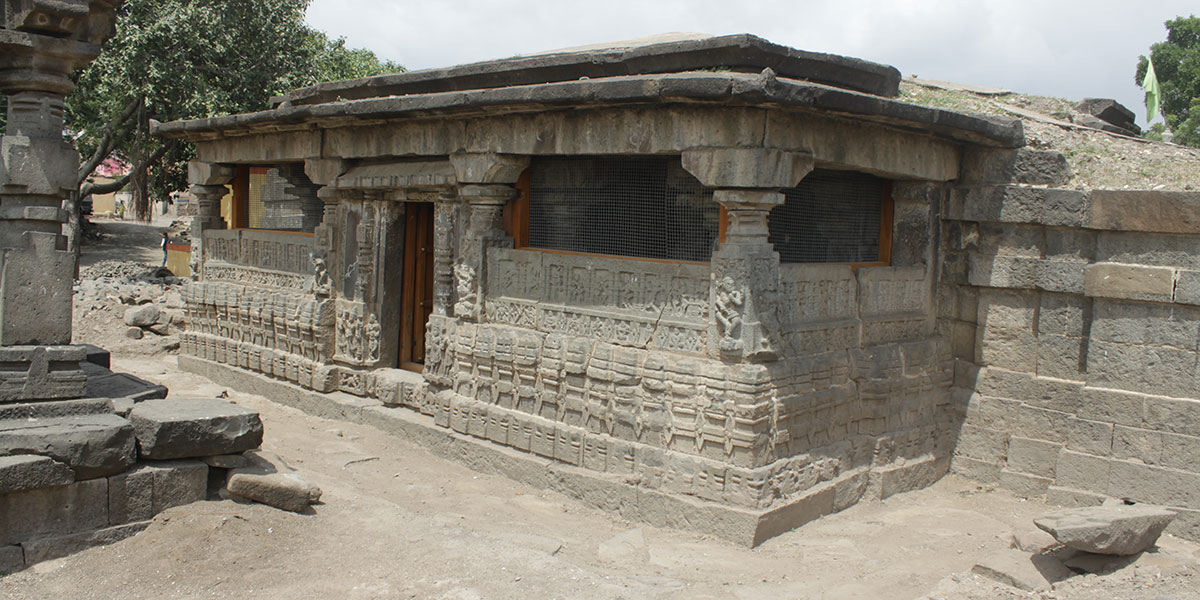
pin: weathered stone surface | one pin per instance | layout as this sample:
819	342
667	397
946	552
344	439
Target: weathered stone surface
80	506
178	482
134	333
194	427
1107	529
12	559
103	383
226	461
1022	165
142	316
1031	540
131	495
27	472
1140	210
1110	111
1133	282
59	546
287	491
747	167
93	445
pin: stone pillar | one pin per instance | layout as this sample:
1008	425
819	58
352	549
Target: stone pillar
486	184
745	288
208	187
41	43
324	172
444	209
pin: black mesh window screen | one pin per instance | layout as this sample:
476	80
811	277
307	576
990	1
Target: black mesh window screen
645	207
832	216
282	200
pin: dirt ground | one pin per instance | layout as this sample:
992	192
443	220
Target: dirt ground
398	522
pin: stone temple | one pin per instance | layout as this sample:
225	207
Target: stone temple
713	283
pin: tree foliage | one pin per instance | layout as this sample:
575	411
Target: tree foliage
186	59
1177	64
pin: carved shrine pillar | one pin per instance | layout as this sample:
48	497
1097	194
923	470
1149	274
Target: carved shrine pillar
745	288
486	184
41	43
208	187
324	172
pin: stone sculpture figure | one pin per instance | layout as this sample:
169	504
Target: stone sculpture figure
728	306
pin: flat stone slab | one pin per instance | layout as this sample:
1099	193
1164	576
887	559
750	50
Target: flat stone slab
93	445
1109	529
194	427
30	471
103	383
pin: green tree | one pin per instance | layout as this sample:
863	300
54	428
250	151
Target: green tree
1177	64
186	59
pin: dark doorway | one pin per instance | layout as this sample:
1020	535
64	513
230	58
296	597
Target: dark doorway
417	287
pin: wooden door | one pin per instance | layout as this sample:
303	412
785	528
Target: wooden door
417	286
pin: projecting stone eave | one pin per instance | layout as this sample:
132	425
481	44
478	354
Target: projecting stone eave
732	53
731	89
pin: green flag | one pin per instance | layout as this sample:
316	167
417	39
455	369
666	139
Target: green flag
1150	84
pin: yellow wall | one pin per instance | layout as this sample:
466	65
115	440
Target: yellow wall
177	262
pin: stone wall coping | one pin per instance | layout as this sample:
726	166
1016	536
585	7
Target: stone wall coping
732	89
741	53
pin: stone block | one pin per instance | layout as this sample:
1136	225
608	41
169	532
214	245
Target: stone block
131	496
1118	529
999	414
1090	437
59	546
1000	271
1017	204
1069	497
1114	406
975	469
1144	210
1033	457
1024	485
1181	452
1186	524
93	445
1131	443
1083	472
1130	282
35	301
1176	415
80	506
1023	165
1187	287
194	427
982	443
1063	276
27	472
1153	369
1154	485
178	482
1041	424
1058	357
142	316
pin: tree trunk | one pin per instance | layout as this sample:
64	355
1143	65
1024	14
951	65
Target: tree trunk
74	227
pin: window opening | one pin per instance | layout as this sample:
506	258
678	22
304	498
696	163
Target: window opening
834	216
642	207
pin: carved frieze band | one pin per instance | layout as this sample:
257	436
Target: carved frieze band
260	250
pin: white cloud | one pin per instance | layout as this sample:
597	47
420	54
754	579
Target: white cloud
1071	49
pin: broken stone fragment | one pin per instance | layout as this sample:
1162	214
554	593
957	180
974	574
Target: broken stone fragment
93	445
194	427
142	316
287	491
1108	529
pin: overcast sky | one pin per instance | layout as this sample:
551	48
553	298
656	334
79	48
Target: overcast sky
1070	49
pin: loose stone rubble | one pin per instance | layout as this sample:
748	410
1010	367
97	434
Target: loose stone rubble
1118	529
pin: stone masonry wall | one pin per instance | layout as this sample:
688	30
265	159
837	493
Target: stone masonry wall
1076	320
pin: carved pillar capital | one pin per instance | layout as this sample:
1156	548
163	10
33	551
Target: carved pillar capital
747	168
488	167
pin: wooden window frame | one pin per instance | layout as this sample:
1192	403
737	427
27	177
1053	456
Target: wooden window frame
240	206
